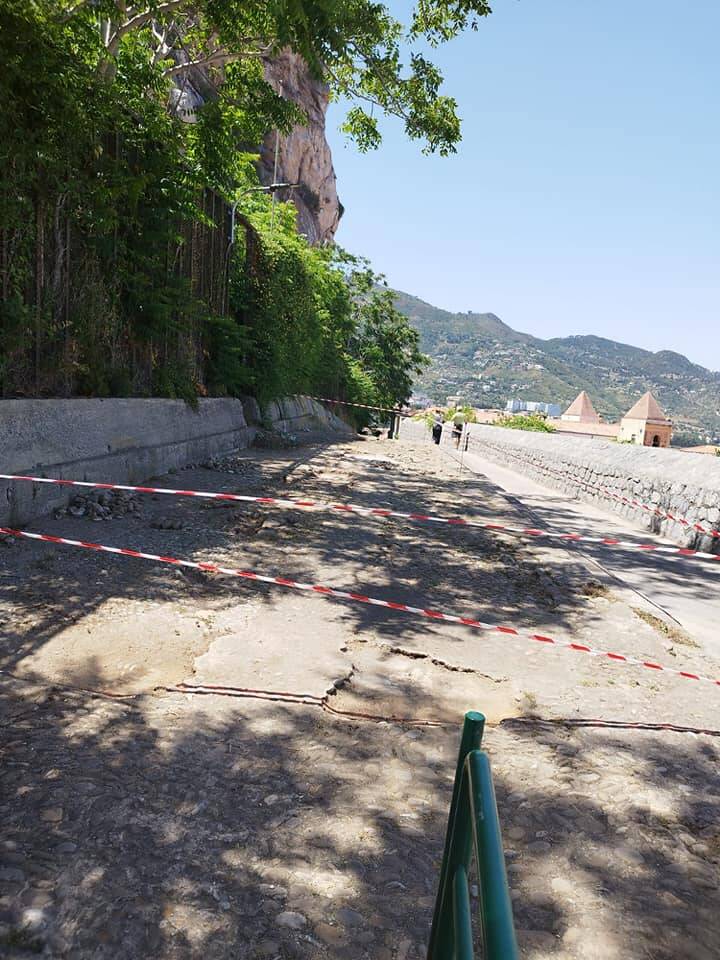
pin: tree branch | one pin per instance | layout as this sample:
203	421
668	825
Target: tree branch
138	20
390	107
217	59
161	50
69	14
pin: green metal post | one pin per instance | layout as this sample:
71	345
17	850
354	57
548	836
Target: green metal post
495	904
462	916
471	739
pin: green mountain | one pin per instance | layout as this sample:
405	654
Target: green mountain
484	360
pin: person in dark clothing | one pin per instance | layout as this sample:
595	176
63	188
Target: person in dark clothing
437	429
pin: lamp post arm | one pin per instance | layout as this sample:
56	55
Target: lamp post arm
271	188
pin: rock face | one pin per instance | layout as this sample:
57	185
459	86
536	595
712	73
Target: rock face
304	156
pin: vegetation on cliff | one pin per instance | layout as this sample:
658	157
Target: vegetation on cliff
116	276
115	268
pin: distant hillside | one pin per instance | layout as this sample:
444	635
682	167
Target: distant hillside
487	362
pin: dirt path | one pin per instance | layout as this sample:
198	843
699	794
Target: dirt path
171	825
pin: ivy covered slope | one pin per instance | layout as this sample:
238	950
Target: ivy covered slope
116	272
487	362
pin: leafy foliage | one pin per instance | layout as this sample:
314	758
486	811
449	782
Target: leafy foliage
532	421
114	259
317	319
356	46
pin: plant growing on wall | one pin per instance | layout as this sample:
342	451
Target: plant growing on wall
113	252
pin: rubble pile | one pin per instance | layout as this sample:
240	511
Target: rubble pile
106	505
232	463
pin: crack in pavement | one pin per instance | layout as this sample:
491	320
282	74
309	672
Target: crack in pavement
436	661
341	682
443	664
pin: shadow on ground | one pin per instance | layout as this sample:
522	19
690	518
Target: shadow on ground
45	589
159	828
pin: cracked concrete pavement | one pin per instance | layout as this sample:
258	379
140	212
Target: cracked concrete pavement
684	591
184	825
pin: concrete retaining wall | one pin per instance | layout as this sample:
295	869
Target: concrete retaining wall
119	440
127	440
303	415
682	484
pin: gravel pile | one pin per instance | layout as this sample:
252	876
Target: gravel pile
107	505
232	464
275	440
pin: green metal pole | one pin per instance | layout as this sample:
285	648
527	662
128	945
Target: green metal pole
462	916
495	905
471	739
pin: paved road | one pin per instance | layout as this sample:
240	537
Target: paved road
687	591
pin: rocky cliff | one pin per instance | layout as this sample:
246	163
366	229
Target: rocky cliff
304	156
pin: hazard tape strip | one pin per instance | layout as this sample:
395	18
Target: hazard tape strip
655	511
492	524
364	406
246	693
312	700
326	591
632	502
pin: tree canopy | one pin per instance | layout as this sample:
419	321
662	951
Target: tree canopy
356	46
116	275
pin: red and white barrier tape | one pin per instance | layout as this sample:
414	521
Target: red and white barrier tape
247	693
492	524
347	403
655	511
584	723
325	591
639	505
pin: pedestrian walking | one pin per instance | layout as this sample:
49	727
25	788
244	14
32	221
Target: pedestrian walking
437	429
458	422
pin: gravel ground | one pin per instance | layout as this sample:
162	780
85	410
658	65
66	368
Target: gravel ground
142	821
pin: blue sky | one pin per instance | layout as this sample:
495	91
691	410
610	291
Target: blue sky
585	196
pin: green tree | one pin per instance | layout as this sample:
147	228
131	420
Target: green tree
532	421
356	46
103	198
383	342
316	319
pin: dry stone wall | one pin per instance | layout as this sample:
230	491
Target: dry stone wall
599	471
681	484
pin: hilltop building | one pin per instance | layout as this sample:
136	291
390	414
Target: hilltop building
646	424
581	410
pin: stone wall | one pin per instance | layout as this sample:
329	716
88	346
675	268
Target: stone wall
682	484
119	440
303	415
128	440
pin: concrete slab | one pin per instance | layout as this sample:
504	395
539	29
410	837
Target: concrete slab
684	590
269	647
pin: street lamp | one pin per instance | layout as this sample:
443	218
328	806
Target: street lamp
270	188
